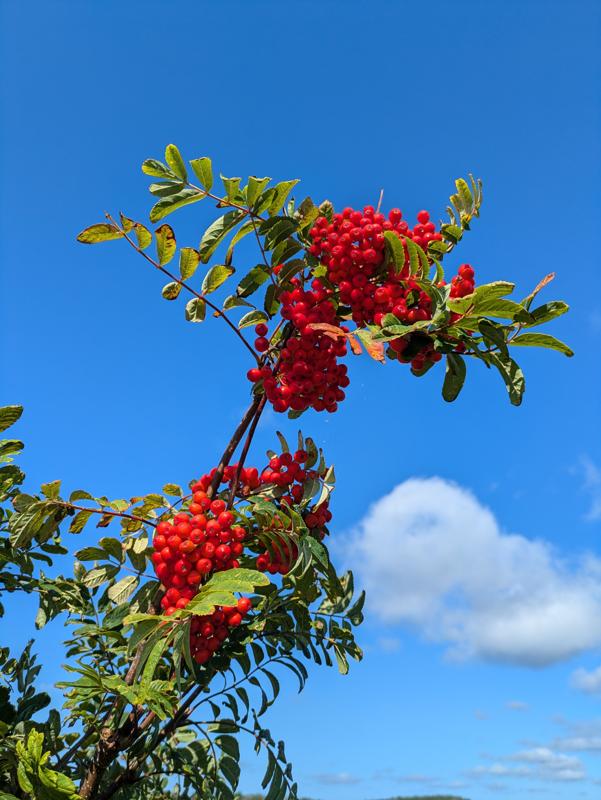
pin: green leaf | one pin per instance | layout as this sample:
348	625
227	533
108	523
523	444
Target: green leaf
153	660
542	340
143	235
254	188
102	232
396	250
494	334
232	187
99	575
252	281
173	490
121	590
126	223
512	375
203	170
253	318
280	193
174	201
9	415
484	294
216	233
464	193
166	244
51	490
165	188
452	233
232	301
219	590
79	521
90	554
196	310
418	260
157	169
189	259
454	377
271	303
215	277
175	161
547	312
171	291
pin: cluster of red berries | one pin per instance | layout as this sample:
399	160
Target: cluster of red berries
208	633
418	348
193	545
204	539
248	479
463	283
352	246
307	374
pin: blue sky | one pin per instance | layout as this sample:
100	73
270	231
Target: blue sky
481	649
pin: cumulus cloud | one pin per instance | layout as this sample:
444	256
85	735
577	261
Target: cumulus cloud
431	555
551	765
537	763
588	681
336	778
581	736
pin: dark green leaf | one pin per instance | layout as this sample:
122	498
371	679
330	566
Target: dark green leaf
512	375
253	318
542	340
157	169
396	250
454	377
9	415
216	233
169	204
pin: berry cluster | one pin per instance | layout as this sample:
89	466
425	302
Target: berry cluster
248	479
208	633
307	374
193	545
463	283
204	539
352	246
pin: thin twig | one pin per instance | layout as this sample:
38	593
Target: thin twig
218	311
245	449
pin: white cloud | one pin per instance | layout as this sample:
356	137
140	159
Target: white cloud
336	778
580	744
581	736
592	484
429	554
501	771
516	705
587	681
537	763
552	765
